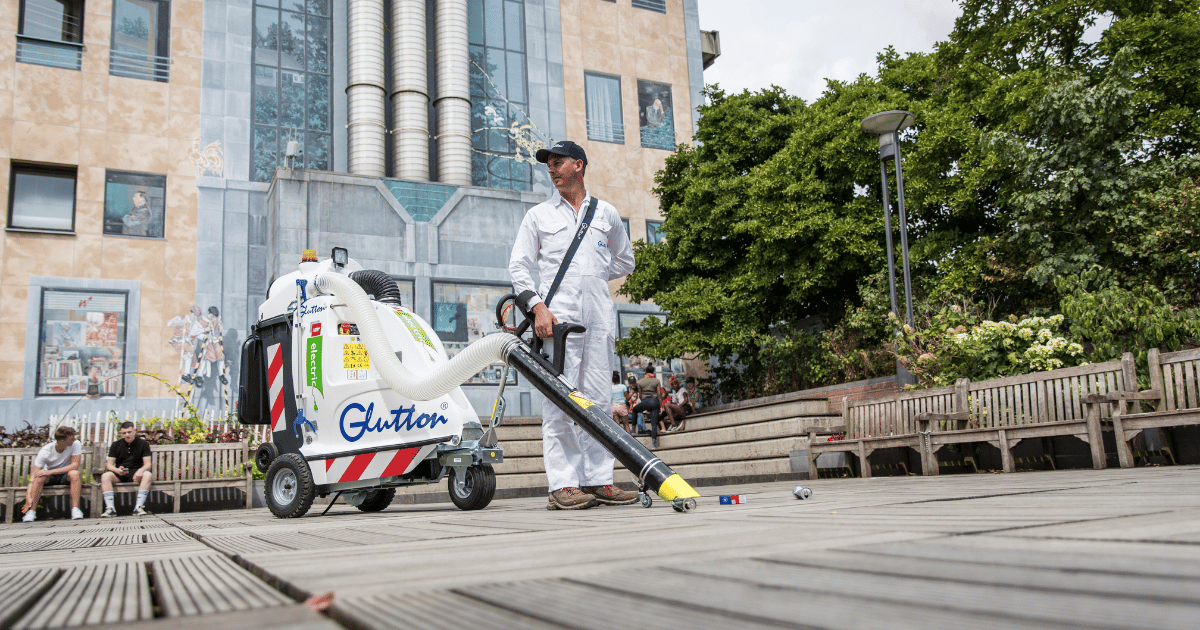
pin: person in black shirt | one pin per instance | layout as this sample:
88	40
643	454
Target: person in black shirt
128	460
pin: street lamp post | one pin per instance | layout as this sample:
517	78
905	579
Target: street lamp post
888	125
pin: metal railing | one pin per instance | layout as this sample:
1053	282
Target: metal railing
606	132
44	52
139	65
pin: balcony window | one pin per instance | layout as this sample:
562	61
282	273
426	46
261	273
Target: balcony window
141	40
51	33
604	121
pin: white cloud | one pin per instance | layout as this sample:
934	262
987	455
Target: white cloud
797	44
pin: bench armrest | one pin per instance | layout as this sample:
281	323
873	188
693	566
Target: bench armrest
954	420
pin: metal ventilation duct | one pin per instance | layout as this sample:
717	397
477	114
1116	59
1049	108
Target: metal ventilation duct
366	124
410	91
452	105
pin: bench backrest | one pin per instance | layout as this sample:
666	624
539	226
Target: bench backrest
188	462
1177	376
896	414
1050	396
17	463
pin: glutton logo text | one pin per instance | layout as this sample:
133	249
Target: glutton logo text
356	421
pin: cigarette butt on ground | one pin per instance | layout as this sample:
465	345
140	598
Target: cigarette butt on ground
319	602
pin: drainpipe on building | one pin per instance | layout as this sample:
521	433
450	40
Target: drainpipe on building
452	106
410	91
366	126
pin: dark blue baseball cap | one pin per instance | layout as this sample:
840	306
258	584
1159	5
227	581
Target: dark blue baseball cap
563	147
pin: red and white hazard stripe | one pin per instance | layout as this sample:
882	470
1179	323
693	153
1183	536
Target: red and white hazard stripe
369	465
275	378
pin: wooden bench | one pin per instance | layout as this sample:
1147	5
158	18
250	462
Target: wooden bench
1063	402
893	421
16	464
1175	392
181	468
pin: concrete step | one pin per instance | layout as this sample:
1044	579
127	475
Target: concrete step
763	413
675	458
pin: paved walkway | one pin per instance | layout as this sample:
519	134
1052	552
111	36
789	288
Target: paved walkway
1068	549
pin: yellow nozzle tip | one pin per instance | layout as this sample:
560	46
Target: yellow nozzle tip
676	488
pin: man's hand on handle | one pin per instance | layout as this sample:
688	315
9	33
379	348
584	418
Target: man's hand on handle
543	321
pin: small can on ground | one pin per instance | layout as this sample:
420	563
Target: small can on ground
732	499
802	493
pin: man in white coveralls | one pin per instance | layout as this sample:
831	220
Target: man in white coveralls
579	469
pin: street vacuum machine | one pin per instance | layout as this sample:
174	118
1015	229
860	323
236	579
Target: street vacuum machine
362	398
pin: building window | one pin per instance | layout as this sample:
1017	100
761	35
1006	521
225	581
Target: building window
625	222
41	198
499	95
141	40
654	115
464	313
406	292
659	6
604	121
291	85
51	33
636	365
134	203
654	233
82	348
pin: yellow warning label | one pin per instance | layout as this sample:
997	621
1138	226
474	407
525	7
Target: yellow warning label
580	400
354	357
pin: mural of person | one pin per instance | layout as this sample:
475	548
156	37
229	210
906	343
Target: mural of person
137	222
183	330
655	114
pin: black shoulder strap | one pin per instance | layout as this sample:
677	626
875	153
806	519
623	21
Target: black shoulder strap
566	262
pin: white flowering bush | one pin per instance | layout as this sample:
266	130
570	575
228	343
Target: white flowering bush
956	344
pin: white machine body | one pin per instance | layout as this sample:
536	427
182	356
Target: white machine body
355	430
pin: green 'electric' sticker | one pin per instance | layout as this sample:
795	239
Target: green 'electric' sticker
313	361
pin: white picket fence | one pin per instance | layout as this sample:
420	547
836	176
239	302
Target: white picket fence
101	427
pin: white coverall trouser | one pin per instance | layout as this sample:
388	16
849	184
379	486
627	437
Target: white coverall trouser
572	457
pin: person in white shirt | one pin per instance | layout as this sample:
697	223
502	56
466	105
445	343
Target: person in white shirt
57	464
579	470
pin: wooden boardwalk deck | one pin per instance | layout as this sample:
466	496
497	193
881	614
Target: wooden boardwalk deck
1117	548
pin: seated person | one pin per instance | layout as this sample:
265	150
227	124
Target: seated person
693	394
648	388
619	408
57	464
128	460
677	405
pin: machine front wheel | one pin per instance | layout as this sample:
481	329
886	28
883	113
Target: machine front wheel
479	487
289	487
378	500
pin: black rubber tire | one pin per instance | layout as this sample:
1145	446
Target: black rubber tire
481	487
296	490
266	453
378	500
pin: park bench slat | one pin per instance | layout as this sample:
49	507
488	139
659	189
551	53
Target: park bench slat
19	589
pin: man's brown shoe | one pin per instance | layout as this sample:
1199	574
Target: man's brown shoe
611	495
570	499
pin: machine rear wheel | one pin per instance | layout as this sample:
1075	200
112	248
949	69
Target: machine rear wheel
289	487
266	453
478	488
378	500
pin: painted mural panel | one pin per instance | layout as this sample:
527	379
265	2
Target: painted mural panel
82	346
134	203
654	111
207	357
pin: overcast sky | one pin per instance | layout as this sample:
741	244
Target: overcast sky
797	44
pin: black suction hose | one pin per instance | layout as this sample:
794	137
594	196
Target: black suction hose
377	285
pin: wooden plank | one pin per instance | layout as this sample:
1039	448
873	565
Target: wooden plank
19	590
427	610
207	584
90	594
293	617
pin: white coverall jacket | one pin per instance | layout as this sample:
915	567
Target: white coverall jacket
572	457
